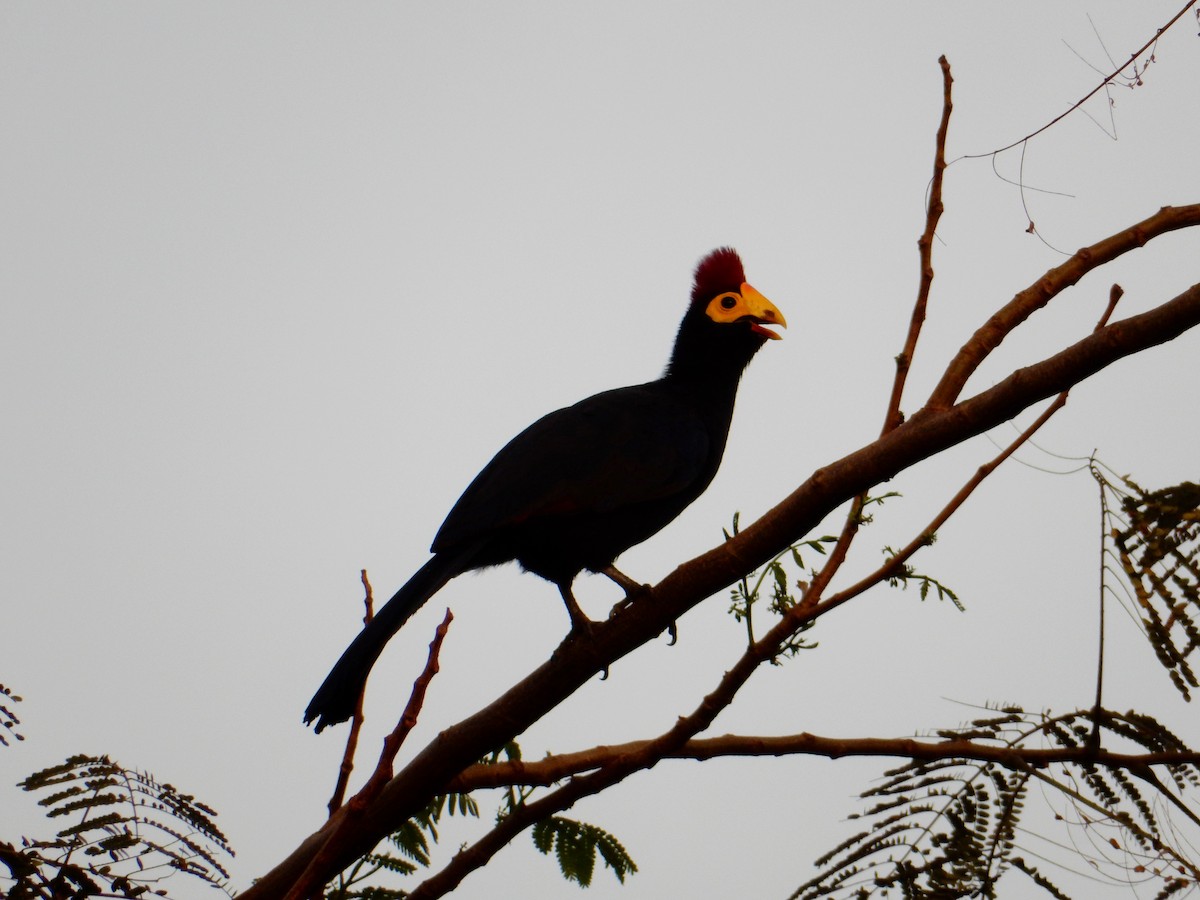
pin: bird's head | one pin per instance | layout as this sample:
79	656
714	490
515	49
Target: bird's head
720	287
727	322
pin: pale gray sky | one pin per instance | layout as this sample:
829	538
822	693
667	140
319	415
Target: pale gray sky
278	279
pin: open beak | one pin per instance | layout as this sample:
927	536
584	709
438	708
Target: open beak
761	311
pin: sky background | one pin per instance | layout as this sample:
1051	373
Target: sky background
278	279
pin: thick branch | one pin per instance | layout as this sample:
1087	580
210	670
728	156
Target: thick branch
1049	286
927	433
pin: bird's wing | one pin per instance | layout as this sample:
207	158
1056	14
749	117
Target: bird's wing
617	449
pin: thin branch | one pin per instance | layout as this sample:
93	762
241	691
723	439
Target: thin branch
551	769
897	561
933	214
893	417
341	830
1114	296
356	721
1097	89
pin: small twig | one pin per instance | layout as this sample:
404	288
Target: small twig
312	877
392	743
1115	293
356	721
933	214
893	416
1097	89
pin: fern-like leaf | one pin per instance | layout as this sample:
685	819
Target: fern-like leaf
126	831
949	828
576	845
8	718
1155	536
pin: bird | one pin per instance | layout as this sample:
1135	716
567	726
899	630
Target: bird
583	484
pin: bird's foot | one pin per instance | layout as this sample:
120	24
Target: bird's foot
582	631
581	626
633	589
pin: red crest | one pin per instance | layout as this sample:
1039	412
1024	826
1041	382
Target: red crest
717	273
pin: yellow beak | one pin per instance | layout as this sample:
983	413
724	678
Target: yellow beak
747	304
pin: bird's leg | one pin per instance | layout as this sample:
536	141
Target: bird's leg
579	622
627	584
632	590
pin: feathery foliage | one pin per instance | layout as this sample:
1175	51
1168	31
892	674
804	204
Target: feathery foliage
746	592
906	575
127	832
412	842
576	845
1155	538
8	718
949	828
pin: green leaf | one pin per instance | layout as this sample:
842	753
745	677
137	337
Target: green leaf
576	844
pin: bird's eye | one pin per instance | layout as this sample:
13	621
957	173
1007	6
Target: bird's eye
728	302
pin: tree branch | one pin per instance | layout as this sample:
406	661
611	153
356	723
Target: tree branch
547	771
356	721
1045	289
933	215
927	433
324	864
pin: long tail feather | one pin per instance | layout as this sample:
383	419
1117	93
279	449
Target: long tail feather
335	699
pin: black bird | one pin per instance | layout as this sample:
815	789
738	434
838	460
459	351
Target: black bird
580	486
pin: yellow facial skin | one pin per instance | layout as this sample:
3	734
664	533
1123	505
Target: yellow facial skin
747	303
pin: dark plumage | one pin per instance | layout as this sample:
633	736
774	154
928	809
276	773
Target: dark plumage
583	484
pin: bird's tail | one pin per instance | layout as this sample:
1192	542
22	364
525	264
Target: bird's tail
337	696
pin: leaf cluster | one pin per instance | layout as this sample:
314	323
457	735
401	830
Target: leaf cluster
748	590
8	718
412	843
1155	537
949	827
576	845
127	831
905	575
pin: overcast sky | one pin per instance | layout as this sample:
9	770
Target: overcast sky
277	279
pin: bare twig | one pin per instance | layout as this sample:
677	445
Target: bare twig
1097	89
893	417
342	826
408	721
356	721
933	214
